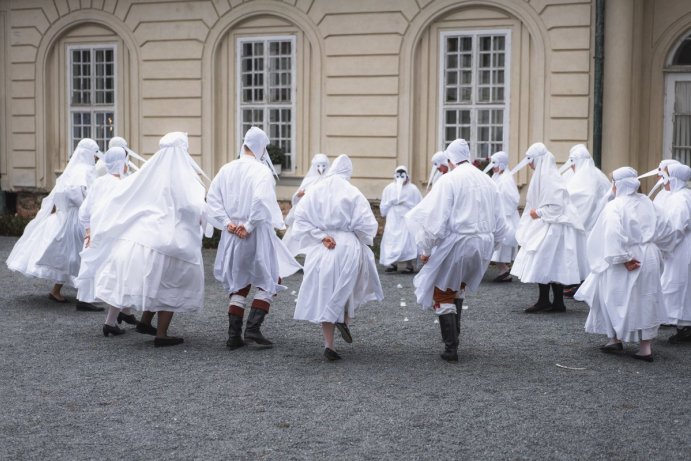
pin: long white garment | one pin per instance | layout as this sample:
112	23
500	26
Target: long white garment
320	163
508	193
242	193
587	188
459	222
101	191
397	243
337	281
50	246
145	250
552	247
626	305
676	256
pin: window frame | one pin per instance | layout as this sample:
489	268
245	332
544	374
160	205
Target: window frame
671	80
93	107
265	107
474	106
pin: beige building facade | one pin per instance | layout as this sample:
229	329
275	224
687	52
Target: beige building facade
387	82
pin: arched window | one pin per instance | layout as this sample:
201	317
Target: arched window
677	121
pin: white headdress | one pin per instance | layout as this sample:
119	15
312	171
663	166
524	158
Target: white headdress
458	151
256	141
117	141
660	171
679	175
438	160
500	160
626	181
342	167
115	160
578	155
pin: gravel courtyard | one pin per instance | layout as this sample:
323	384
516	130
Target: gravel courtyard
526	386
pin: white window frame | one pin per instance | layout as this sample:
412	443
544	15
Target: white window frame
265	106
473	107
93	107
670	97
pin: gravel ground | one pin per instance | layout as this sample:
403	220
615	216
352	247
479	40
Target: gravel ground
69	393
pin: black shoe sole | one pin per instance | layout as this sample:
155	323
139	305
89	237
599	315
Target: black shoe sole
166	342
345	332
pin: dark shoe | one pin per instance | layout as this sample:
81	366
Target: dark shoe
408	270
234	332
447	323
115	330
505	277
683	336
345	332
331	355
556	308
538	307
145	329
53	298
88	307
612	348
127	318
167	341
645	358
391	268
252	331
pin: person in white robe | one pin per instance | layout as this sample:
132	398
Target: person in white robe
320	164
440	166
550	234
658	188
676	256
145	243
242	203
588	189
456	228
623	288
335	224
115	161
50	246
502	177
397	243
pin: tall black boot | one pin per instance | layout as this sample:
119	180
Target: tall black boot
252	332
542	303
234	332
458	302
447	323
558	303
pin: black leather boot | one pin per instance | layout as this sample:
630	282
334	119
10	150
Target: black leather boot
558	303
458	302
447	323
234	332
542	303
252	332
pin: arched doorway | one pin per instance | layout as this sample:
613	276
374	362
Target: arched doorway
677	117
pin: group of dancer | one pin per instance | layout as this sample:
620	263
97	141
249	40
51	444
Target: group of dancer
131	238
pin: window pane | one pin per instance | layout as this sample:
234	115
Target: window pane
266	84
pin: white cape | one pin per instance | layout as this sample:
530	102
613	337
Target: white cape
508	193
145	250
397	243
337	281
243	193
626	305
459	222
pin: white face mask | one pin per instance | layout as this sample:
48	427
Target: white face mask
321	168
401	175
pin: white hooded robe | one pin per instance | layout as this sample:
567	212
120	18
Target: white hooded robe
339	280
397	243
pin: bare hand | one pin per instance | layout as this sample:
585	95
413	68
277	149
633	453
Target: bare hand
231	227
329	242
300	193
87	241
533	214
632	265
424	259
241	232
